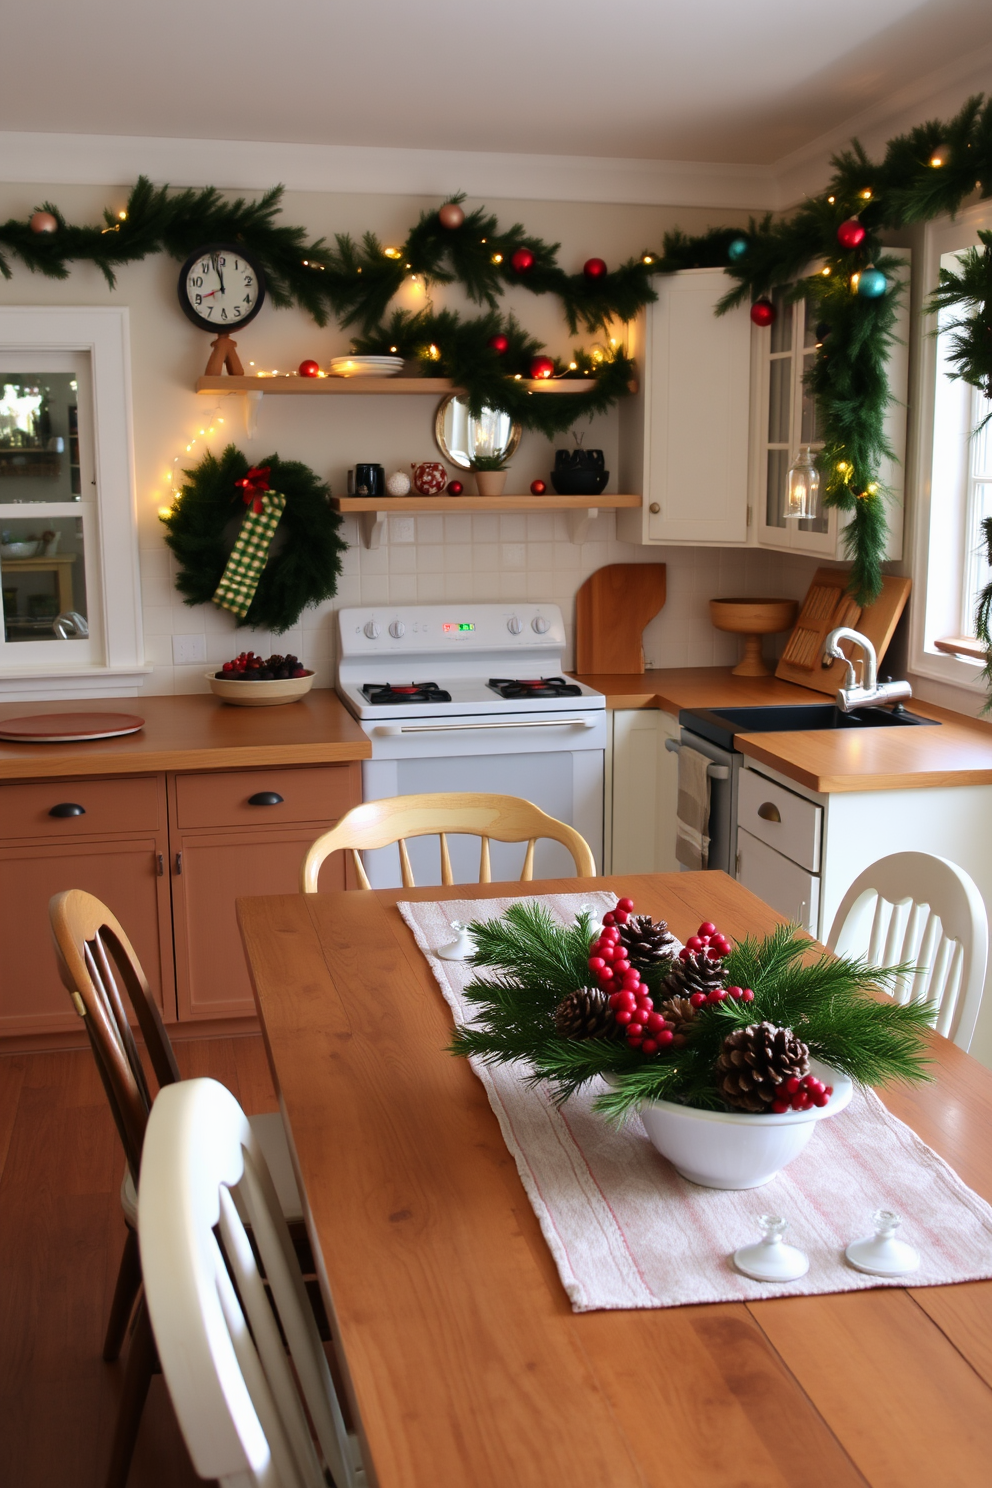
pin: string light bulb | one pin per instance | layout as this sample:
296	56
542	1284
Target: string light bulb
497	258
648	258
392	253
939	156
866	194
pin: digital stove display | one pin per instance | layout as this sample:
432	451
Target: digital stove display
410	692
458	629
536	687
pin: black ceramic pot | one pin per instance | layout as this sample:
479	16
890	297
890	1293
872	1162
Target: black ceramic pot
579	472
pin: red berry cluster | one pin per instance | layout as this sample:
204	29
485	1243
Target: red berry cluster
251	668
707	939
633	1009
799	1095
720	994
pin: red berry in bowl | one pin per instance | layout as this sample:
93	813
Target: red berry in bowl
625	904
694	943
649	1046
623	1016
706	928
608	918
665	1036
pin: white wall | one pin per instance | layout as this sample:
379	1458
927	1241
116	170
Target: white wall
457	556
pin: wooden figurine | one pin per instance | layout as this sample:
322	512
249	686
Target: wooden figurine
224	355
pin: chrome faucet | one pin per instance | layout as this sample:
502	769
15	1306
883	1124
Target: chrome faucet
851	695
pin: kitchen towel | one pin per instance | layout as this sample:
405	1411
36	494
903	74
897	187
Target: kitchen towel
692	845
626	1231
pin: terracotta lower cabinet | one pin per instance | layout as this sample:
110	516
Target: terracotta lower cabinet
208	838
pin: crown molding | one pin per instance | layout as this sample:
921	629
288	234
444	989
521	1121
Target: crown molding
242	165
939	94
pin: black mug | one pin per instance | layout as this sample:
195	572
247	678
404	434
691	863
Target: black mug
370	480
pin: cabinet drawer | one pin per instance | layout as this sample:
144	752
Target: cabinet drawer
117	806
787	822
778	881
318	793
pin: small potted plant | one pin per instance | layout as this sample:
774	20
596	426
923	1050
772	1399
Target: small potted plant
490	474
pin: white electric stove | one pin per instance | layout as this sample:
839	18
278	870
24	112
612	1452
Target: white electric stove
471	697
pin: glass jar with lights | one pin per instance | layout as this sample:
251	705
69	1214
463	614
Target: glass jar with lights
802	489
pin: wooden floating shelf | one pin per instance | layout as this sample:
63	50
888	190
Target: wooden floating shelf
325	386
372	511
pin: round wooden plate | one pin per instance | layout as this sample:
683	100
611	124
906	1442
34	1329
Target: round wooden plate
68	728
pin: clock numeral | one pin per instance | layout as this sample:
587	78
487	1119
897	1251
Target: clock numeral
221	261
237	263
247	299
198	299
237	312
205	266
210	309
248	280
196	281
223	314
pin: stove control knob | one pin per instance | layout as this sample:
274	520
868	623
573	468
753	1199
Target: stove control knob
371	630
514	625
541	624
396	629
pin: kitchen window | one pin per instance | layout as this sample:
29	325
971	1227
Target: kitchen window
68	546
955	462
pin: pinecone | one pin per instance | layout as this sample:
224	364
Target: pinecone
645	942
680	1012
755	1061
583	1015
697	973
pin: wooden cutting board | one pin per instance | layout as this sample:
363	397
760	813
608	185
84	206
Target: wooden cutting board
827	605
611	610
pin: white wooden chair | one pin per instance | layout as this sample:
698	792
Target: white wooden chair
500	818
242	1397
915	907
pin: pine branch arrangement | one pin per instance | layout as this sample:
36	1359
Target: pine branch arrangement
532	963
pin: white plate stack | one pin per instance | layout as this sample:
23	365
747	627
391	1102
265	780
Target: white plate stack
361	365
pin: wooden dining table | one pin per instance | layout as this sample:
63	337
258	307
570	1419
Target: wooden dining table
464	1364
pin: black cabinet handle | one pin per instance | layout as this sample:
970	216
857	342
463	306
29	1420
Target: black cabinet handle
179	862
265	798
67	808
161	864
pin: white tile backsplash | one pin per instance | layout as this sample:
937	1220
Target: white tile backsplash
470	556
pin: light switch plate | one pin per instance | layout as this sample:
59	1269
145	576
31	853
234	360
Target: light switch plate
188	648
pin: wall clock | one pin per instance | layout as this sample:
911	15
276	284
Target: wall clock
220	285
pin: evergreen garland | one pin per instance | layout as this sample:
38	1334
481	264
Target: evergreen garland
929	171
533	962
305	558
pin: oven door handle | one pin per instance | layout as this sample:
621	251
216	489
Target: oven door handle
393	730
715	772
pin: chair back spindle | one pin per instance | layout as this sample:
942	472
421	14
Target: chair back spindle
927	912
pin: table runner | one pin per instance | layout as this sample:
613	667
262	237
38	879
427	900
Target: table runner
626	1230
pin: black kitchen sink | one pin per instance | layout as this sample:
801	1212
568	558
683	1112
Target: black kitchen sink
719	725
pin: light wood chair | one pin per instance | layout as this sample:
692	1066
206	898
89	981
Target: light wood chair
491	817
99	968
242	1396
915	907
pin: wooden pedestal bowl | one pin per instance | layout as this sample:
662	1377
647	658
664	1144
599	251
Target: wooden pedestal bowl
752	618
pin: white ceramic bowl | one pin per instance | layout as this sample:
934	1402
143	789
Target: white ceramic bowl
736	1149
260	694
366	366
20	549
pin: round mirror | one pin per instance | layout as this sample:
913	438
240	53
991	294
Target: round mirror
461	436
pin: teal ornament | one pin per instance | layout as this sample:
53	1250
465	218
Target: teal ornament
872	284
737	250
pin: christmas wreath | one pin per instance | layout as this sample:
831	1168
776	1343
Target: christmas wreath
206	526
707	1024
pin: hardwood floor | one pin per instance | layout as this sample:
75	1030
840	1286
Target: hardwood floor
61	1236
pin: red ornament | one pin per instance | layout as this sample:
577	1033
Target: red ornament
542	367
499	343
451	215
455	488
850	234
594	268
429	477
763	312
537	488
43	222
308	369
522	259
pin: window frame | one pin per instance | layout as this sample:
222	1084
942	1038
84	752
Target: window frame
945	235
102	333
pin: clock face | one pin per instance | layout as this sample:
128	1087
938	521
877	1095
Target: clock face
221	287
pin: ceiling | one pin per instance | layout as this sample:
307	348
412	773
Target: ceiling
730	81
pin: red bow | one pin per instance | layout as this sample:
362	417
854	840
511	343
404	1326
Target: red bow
253	484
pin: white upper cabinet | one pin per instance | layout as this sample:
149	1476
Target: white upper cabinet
783	421
684	434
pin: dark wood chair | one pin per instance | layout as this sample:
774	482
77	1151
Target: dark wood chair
99	968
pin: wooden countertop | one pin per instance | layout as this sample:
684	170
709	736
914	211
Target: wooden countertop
672	688
195	732
959	752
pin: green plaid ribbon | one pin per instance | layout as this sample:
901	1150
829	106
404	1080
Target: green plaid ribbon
236	589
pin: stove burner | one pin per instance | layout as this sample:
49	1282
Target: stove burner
415	692
534	687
